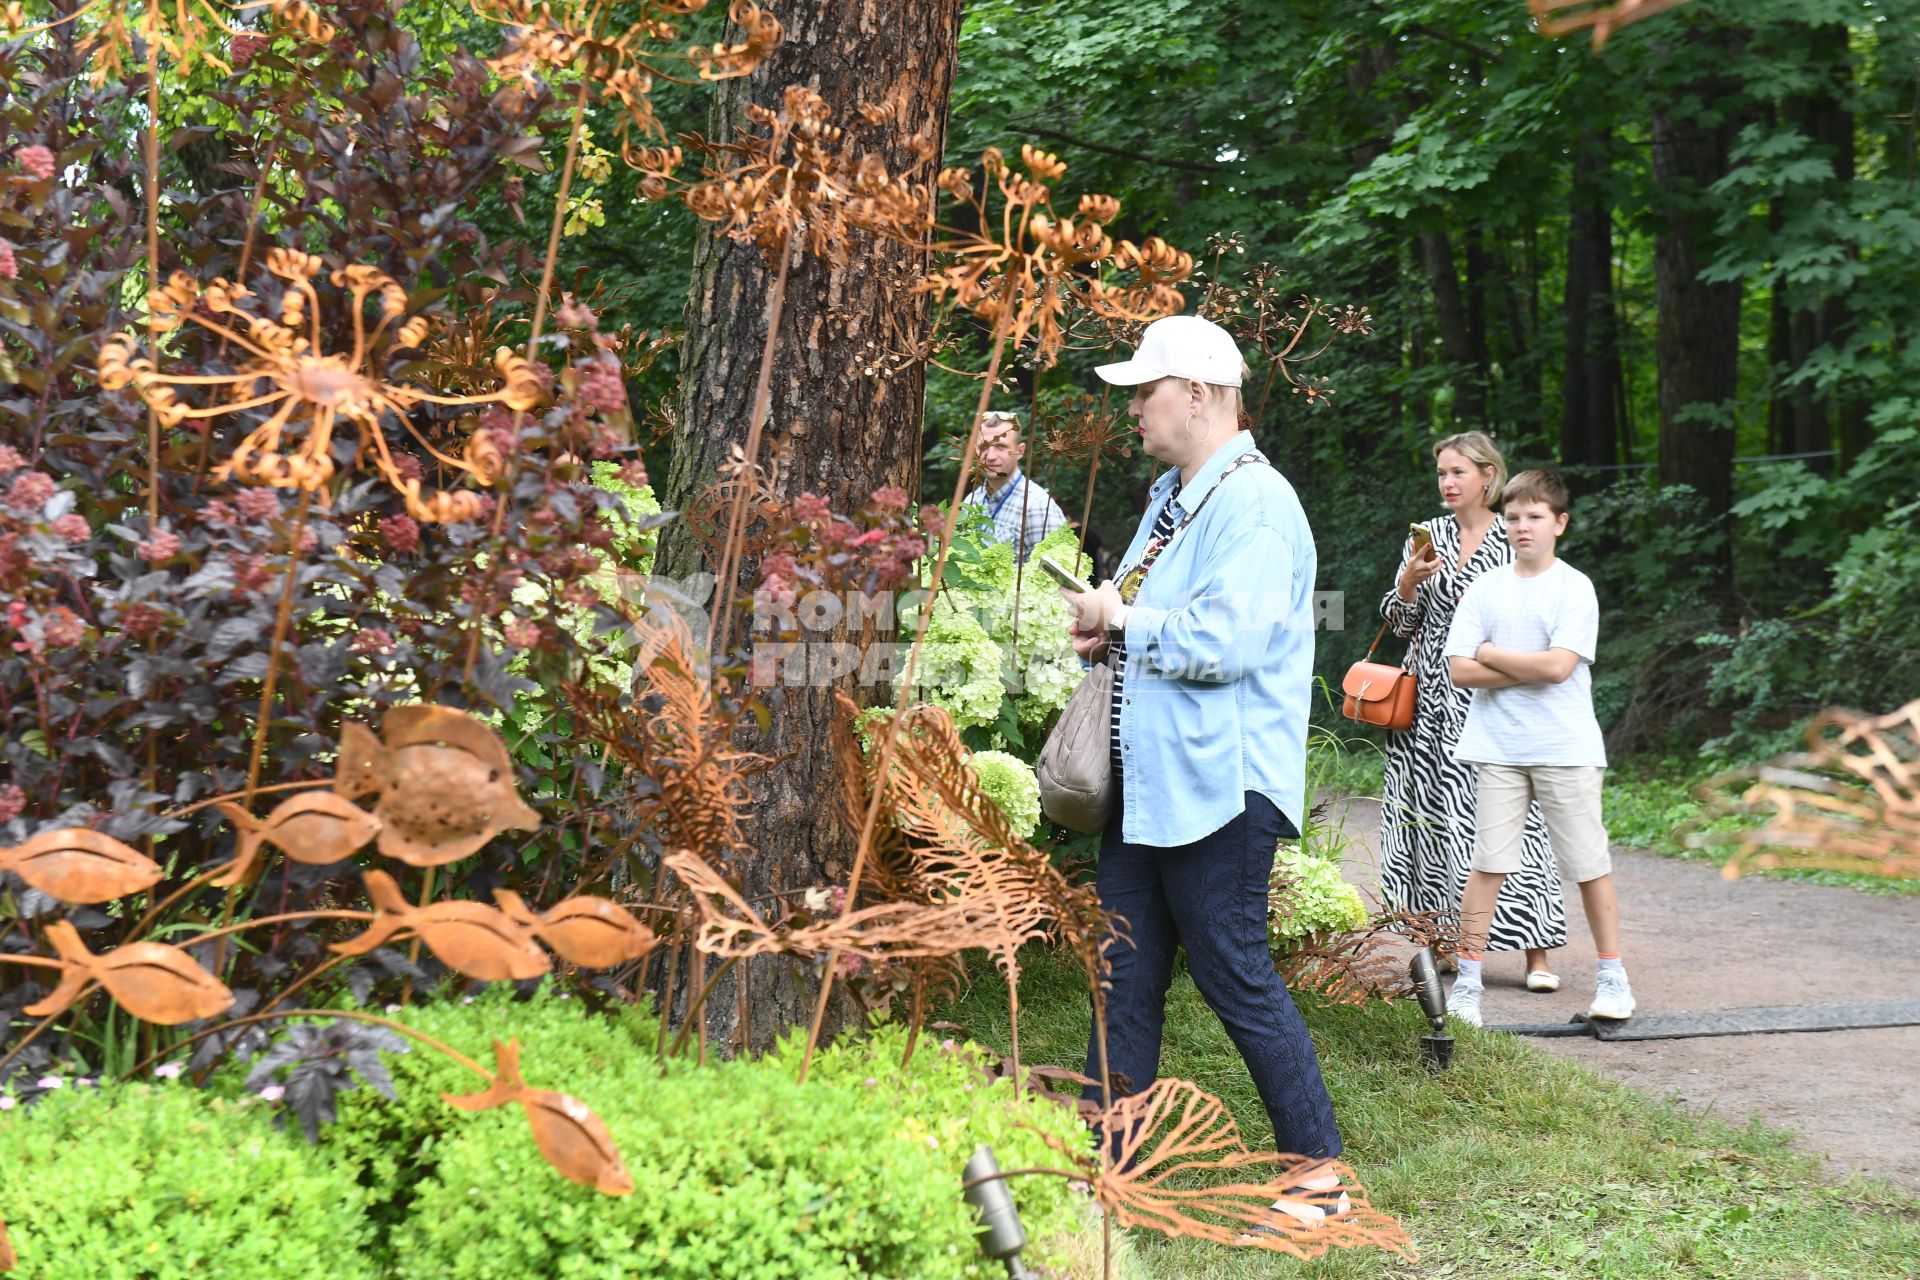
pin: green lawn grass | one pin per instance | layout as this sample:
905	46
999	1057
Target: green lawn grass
1513	1163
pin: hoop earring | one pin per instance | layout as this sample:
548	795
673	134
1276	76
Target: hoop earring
1187	430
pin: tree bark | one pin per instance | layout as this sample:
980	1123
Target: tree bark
1589	423
1697	334
832	431
1450	318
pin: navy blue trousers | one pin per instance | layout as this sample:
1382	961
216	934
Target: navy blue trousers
1210	897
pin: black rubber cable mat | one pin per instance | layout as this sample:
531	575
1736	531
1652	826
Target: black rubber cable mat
1760	1020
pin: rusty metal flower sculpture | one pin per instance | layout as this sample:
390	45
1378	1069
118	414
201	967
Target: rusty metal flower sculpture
1273	323
306	390
622	49
1849	802
1562	17
444	779
797	171
1022	265
187	32
573	1139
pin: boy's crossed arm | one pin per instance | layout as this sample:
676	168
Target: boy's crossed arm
1492	668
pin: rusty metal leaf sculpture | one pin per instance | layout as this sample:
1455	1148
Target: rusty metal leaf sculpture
1850	802
1362	965
8	1259
471	937
75	864
570	1137
590	932
1563	17
679	737
1180	1168
730	927
445	782
318	828
151	980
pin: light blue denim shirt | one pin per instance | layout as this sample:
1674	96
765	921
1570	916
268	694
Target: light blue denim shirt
1219	677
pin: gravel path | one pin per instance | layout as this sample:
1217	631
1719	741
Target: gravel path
1693	941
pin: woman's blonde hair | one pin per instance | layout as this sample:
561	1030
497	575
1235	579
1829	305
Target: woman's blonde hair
1478	448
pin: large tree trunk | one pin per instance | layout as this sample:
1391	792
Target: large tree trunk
836	431
1456	334
1697	335
1589	423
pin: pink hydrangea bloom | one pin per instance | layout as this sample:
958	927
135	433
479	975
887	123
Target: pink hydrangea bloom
402	533
9	265
73	527
161	545
30	492
258	504
523	634
10	459
36	162
61	628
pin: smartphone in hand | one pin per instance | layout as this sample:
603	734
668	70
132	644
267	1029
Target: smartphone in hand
1060	575
1422	538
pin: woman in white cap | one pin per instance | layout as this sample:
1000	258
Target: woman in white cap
1210	635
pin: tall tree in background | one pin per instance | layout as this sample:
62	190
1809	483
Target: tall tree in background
1590	423
1697	335
835	431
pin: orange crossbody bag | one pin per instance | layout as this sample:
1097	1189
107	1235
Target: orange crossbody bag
1378	693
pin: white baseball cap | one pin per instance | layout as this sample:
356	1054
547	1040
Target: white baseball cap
1180	347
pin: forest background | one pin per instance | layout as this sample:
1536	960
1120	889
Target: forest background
1681	269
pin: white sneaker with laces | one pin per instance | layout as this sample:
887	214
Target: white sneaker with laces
1464	1002
1612	997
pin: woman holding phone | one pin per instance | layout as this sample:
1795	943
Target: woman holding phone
1210	635
1426	817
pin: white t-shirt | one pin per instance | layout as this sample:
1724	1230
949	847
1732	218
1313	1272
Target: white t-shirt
1526	724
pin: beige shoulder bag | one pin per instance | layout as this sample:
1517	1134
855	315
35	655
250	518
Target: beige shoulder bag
1076	765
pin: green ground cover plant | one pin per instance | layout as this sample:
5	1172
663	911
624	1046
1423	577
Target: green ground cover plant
159	1181
739	1170
1512	1163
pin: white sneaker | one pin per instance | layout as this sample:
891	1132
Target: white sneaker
1464	1002
1612	997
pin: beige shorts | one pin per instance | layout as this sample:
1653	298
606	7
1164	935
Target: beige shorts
1569	796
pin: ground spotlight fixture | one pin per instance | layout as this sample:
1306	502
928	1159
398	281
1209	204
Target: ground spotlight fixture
1001	1235
1437	1048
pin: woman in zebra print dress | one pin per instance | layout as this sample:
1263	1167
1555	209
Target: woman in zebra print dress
1426	819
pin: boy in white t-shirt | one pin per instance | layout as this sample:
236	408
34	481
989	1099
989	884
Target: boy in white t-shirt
1523	639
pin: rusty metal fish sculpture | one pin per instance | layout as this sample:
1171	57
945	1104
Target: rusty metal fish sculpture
74	864
444	779
318	828
590	932
570	1137
151	980
470	937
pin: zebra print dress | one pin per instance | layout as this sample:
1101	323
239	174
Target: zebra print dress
1426	816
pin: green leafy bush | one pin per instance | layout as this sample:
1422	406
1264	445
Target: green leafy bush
1307	897
1010	782
738	1169
163	1182
1003	664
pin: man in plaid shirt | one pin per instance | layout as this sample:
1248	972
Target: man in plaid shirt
1023	513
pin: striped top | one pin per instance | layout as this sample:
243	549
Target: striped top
1117	648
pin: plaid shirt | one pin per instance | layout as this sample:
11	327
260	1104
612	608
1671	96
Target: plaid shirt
1017	498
